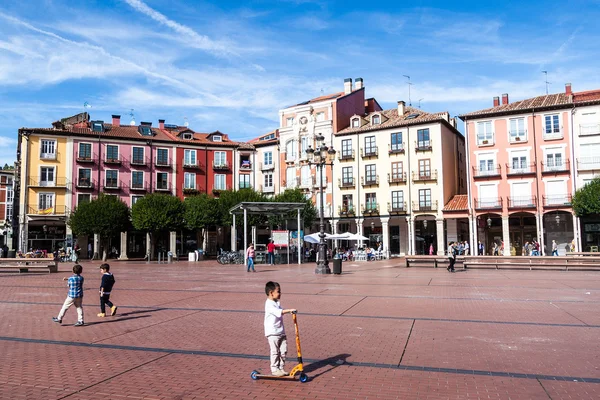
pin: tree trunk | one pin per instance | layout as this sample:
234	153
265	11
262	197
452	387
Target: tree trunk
153	238
104	250
200	238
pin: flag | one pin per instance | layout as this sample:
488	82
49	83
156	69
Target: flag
87	105
46	211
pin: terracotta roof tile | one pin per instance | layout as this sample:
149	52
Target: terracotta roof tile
546	101
588	96
391	119
459	202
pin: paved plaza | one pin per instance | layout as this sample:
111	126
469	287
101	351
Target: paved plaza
378	331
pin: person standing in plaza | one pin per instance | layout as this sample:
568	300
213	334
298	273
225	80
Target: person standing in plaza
554	248
108	281
467	248
250	256
431	249
451	256
480	248
75	296
274	329
90	252
271	253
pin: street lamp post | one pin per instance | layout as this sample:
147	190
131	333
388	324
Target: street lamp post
320	157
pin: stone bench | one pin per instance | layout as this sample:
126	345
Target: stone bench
49	265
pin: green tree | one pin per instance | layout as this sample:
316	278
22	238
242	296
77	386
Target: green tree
157	213
586	200
201	212
105	216
308	214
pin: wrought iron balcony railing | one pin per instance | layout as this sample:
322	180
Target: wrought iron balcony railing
85	157
371	151
488	203
397	207
423	145
346	210
220	165
588	163
561	166
370	180
346	155
38	181
396	148
424	176
520	169
487	172
397	178
52	210
557	200
346	183
424	206
522	202
370	208
162	162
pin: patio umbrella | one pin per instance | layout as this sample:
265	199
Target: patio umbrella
353	236
314	237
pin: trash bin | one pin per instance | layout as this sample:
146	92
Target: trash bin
169	257
337	266
192	256
199	255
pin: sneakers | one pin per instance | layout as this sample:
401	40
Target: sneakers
284	372
57	320
113	310
279	373
79	323
102	315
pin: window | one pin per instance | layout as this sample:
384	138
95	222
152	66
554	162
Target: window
137	179
425	199
376	120
521	194
217	138
112	153
554	160
347	204
112	178
48	150
398	200
519	163
189	180
320	116
290	177
85	177
556	192
589	156
304	142
397	144
397	171
487	165
290	151
220	182
370	147
244	181
145	130
138	155
187	136
134	199
85	151
268	180
484	133
162	181
10	196
551	125
220	158
356	123
189	157
347	178
517	130
347	148
47	176
423	141
488	196
424	169
97	126
371	201
370	173
268	158
289	121
45	201
305	175
83	198
162	156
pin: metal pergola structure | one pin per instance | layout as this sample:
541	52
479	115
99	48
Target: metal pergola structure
268	208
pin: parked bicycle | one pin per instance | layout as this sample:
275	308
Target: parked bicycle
230	257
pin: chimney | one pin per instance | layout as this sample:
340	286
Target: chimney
359	83
504	98
496	101
401	105
116	120
568	89
347	85
161	124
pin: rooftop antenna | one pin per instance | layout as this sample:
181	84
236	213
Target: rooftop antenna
420	102
546	80
409	84
132	115
322	92
186	123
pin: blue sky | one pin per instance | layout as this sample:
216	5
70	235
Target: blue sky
231	65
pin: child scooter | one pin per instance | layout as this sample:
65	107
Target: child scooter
297	369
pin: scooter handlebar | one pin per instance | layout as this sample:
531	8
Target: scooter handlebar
295	312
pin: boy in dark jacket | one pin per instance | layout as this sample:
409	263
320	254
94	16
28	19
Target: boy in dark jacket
108	280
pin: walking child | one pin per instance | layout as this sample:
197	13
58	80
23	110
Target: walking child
108	281
250	256
75	296
274	329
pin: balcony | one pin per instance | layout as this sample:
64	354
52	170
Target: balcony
48	156
563	200
139	161
163	186
190	165
267	189
245	185
85	157
267	167
423	145
522	202
493	172
56	183
85	183
371	151
54	210
520	169
138	186
161	162
370	209
485	141
346	211
397	207
588	163
425	176
220	165
291	184
397	148
517	136
488	203
346	155
553	135
555	167
589	129
397	178
346	183
370	180
190	192
291	158
424	206
217	191
111	184
246	166
113	160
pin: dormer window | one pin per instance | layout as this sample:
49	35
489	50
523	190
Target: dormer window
145	130
376	120
217	138
97	126
187	136
355	123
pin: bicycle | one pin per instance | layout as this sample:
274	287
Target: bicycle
230	257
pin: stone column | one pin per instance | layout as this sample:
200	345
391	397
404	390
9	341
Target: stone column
97	249
410	224
439	231
473	244
148	245
539	222
123	255
173	243
386	236
233	235
359	230
505	235
577	233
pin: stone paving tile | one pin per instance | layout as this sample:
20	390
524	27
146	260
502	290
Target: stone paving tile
586	313
564	390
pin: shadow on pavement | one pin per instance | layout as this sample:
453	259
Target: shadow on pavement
332	362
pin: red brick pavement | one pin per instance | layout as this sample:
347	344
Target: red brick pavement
194	331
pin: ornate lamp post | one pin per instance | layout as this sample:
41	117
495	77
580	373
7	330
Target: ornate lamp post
320	157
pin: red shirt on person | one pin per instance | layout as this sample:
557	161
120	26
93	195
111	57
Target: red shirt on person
271	247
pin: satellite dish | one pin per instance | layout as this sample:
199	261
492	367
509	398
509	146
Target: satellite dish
131	114
132	122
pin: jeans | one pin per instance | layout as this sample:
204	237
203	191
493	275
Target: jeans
250	264
555	252
105	301
271	258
